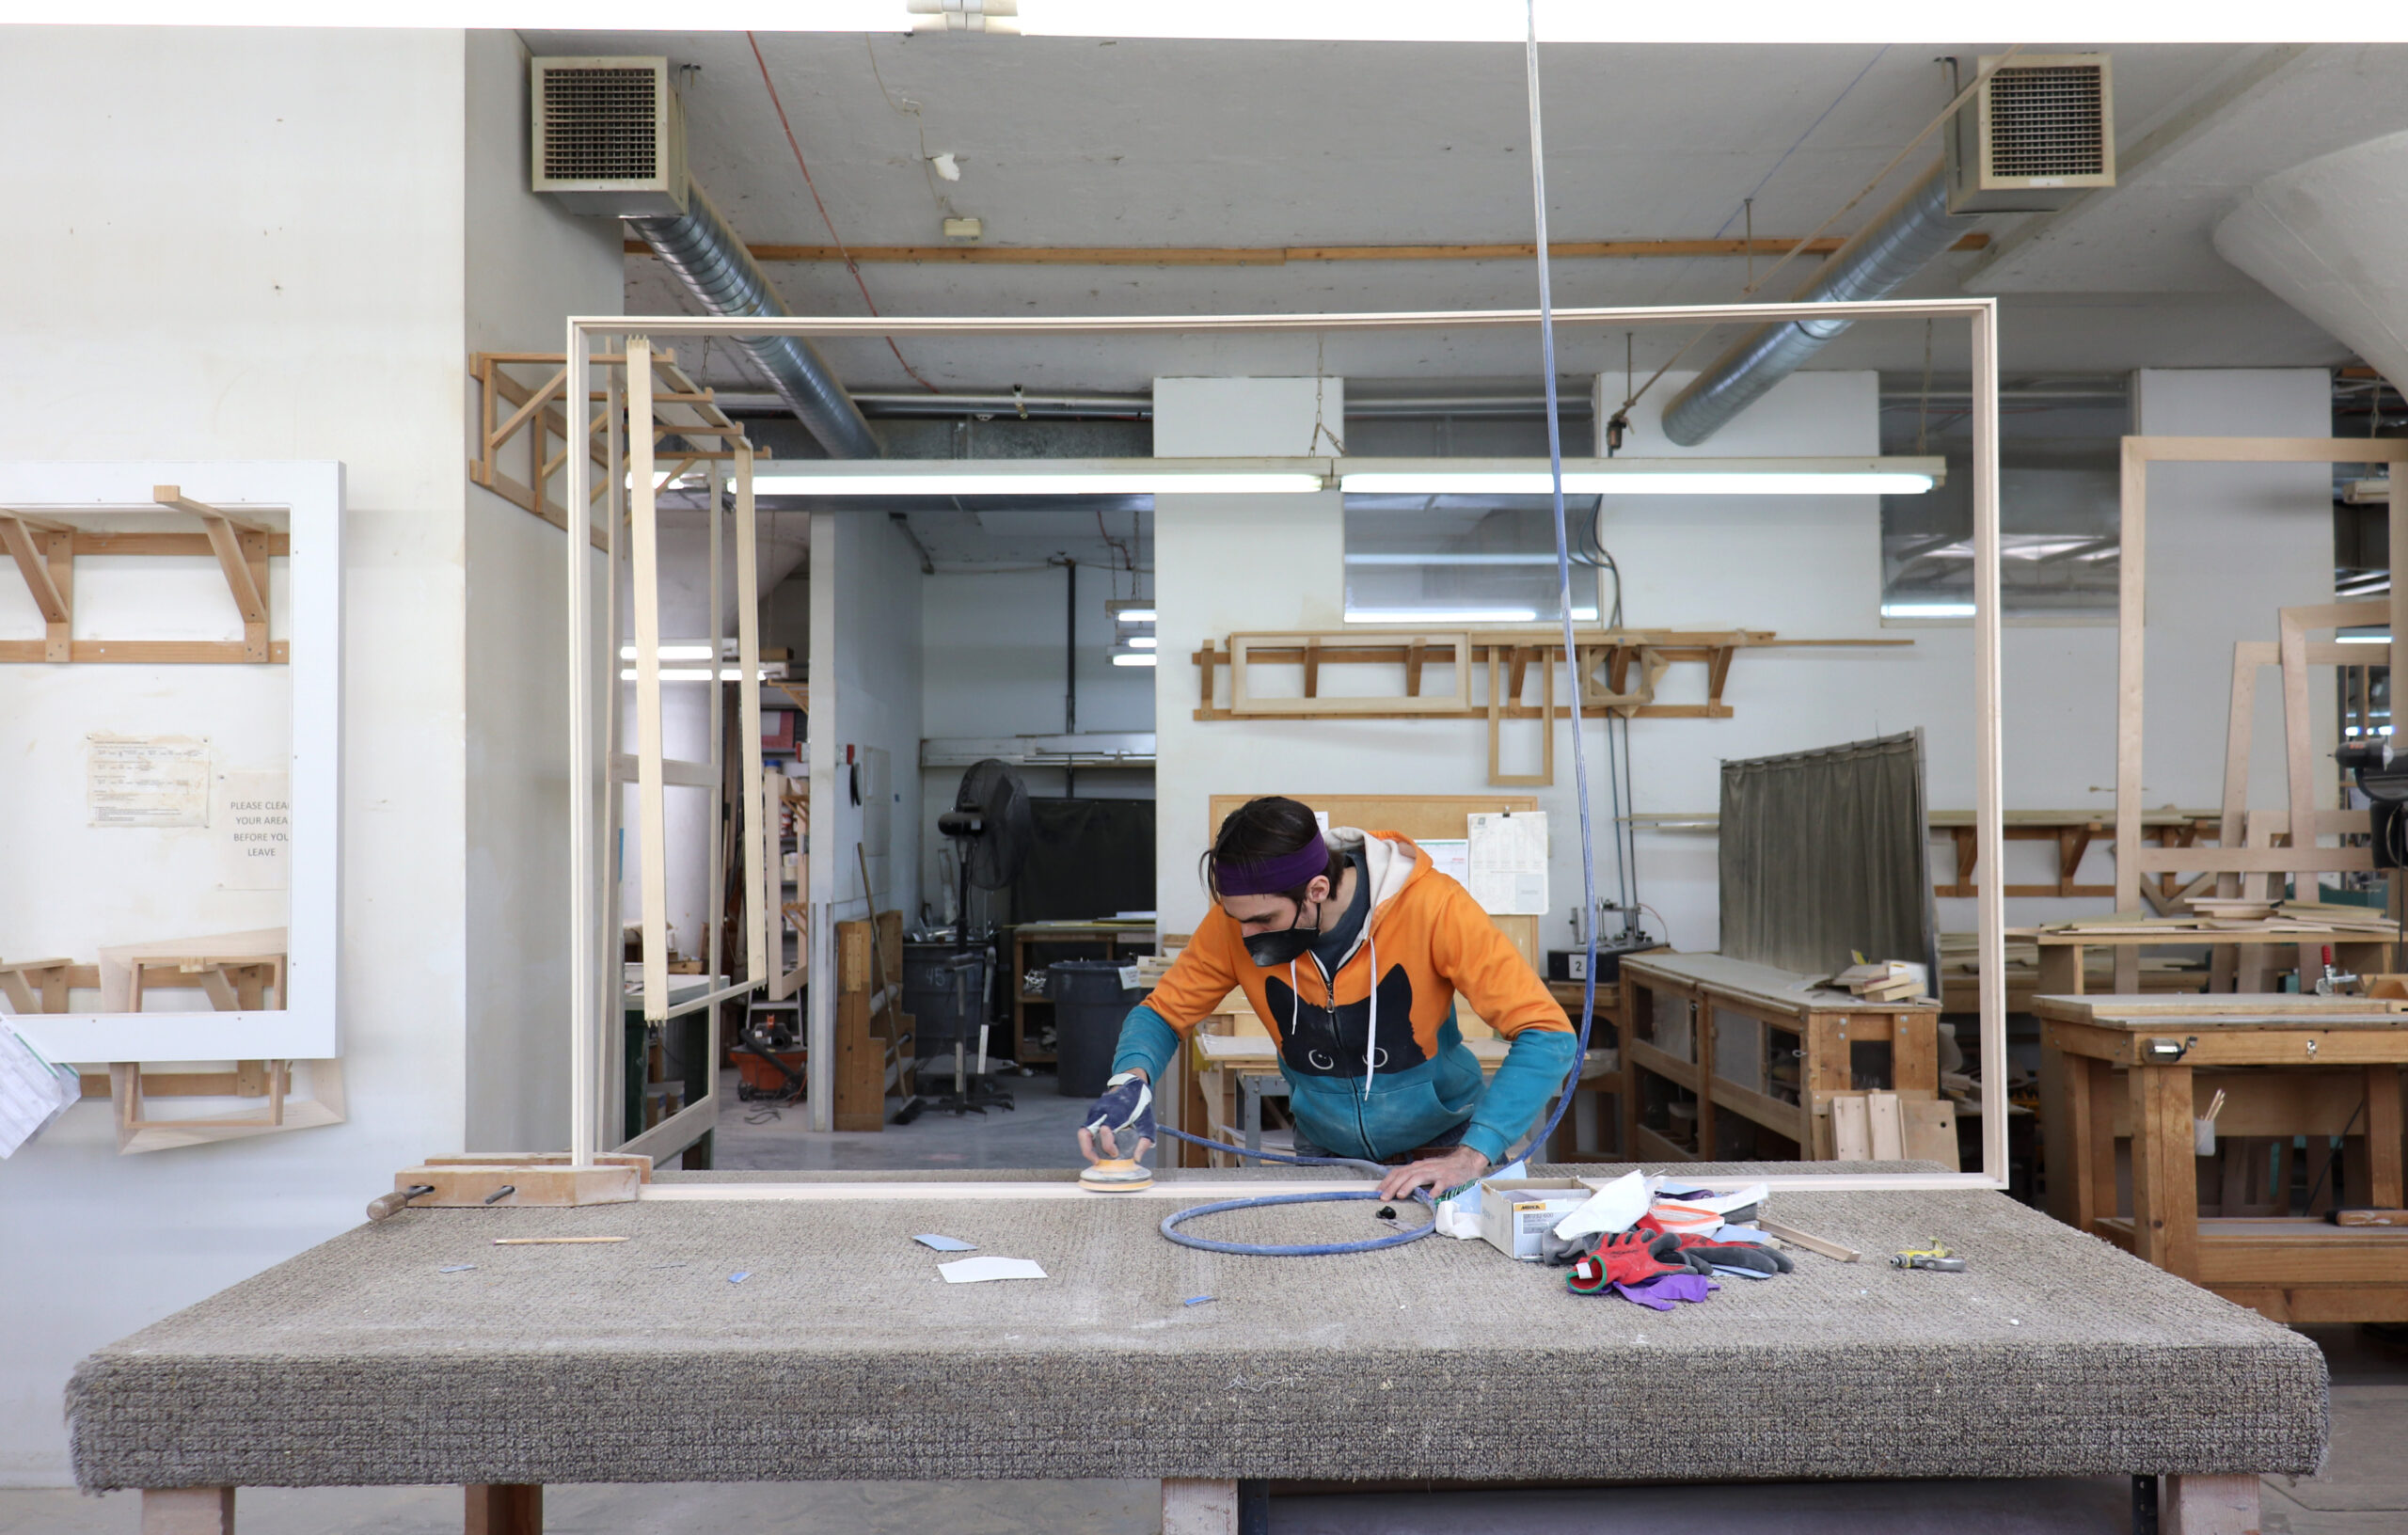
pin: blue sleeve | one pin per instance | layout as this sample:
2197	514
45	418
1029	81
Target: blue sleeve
1147	1041
1533	1069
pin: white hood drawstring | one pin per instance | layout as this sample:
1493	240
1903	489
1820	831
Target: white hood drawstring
1372	1029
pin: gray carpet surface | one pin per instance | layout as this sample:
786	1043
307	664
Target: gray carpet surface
843	1354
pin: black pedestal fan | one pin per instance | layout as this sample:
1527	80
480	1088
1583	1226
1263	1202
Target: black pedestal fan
990	828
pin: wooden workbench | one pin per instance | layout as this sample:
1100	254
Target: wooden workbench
1726	1036
2064	955
2139	1068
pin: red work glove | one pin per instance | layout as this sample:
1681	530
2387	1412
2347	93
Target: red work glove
1626	1258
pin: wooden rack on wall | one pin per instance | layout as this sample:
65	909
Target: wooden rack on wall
45	553
537	429
1620	671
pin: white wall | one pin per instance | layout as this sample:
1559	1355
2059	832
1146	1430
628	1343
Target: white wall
253	245
866	613
1800	566
528	267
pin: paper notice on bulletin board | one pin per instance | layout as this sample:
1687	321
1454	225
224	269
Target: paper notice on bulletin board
1507	863
147	781
253	821
1449	856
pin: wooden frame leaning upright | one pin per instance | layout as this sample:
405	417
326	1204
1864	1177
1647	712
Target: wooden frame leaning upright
599	767
2132	861
1981	315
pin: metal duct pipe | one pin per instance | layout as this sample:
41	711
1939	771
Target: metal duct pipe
715	268
1906	237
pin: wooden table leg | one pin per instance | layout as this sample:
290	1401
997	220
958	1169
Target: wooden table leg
2060	970
2101	1141
2165	1188
2209	1506
1199	1506
2383	1186
505	1508
187	1510
2065	1124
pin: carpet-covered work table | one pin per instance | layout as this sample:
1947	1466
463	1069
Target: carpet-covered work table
381	1357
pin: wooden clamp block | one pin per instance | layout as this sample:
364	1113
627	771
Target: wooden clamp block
543	1179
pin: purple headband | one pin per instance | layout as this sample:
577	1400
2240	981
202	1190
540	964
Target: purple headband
1275	876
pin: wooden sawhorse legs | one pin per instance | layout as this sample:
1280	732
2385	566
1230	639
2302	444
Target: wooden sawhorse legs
505	1510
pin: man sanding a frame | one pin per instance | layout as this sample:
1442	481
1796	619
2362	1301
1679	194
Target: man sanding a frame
1351	948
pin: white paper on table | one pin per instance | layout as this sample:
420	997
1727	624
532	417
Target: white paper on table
1506	855
1617	1206
973	1270
1722	1204
33	1092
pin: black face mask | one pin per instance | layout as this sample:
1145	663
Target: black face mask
1284	945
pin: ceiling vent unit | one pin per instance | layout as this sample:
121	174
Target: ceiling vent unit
2039	133
609	137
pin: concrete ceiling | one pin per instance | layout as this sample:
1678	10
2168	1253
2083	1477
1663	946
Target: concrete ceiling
1077	142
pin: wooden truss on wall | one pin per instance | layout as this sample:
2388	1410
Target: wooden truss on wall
1620	673
535	433
45	551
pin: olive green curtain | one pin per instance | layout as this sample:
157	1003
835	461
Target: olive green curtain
1826	854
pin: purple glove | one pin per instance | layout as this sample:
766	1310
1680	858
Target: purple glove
1660	1294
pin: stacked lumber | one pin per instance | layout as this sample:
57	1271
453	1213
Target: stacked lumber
1888	980
1151	968
2211	915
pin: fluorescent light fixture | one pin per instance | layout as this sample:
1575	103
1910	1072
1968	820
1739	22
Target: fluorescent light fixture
1142	642
672	653
1134	615
685	673
1451	557
1926	609
1647	477
1053	477
1143	657
2364	639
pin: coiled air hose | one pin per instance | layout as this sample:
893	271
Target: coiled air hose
1580	789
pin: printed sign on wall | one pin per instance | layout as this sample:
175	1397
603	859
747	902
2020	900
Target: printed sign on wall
254	821
147	781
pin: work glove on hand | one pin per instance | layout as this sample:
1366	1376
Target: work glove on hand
1127	1105
1706	1257
1626	1258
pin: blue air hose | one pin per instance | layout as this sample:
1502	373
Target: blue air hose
1580	790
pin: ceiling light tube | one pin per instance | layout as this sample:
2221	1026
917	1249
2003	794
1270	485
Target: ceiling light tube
1647	476
1134	615
1137	658
1141	641
1052	477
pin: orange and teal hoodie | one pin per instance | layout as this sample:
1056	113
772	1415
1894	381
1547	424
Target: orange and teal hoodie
1375	1064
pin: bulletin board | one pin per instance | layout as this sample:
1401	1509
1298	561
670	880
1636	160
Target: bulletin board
1416	816
174	788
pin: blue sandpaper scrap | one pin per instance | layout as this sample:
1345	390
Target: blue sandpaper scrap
945	1244
739	1277
1198	1300
456	1268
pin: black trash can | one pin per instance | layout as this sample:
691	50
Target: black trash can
1089	1002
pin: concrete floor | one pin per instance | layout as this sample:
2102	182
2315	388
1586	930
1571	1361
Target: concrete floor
1040	1129
2363	1491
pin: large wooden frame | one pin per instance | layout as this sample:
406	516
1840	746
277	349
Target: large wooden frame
597	1089
1980	315
2132	861
311	495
